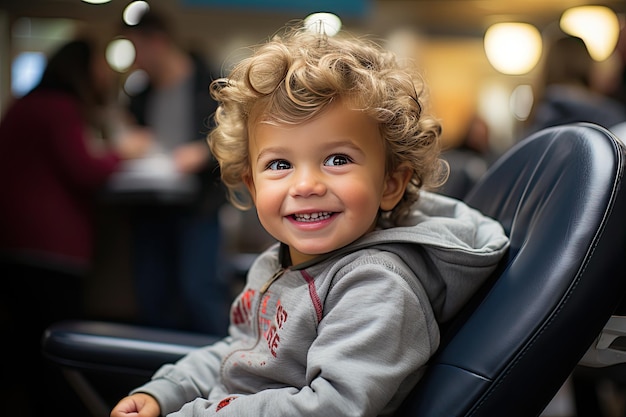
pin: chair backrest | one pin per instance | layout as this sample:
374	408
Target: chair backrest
619	130
560	198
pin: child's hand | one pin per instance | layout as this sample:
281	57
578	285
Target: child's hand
137	405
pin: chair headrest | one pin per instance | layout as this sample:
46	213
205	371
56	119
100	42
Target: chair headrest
558	195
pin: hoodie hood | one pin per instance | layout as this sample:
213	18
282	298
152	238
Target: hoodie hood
450	246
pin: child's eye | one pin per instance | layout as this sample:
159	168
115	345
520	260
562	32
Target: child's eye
335	160
278	165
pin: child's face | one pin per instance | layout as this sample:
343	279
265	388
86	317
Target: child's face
318	186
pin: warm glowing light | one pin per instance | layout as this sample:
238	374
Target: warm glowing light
598	26
327	23
120	54
135	82
134	11
521	102
513	48
96	1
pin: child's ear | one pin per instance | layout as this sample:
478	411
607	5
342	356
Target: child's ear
249	182
395	184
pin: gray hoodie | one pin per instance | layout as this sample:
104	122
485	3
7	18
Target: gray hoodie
347	334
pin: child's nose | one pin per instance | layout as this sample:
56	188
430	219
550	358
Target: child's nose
307	183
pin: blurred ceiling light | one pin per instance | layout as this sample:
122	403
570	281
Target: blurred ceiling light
598	26
513	48
120	54
136	82
322	22
521	102
96	1
134	11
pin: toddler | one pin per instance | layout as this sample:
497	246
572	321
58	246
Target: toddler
329	140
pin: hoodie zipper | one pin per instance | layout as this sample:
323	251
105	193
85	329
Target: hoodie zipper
270	281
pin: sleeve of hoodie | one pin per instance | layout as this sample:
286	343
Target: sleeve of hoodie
372	343
193	376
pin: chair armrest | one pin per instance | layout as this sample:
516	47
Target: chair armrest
114	347
608	349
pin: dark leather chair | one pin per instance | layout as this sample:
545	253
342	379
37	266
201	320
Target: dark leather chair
559	196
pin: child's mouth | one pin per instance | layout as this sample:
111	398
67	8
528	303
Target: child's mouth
312	217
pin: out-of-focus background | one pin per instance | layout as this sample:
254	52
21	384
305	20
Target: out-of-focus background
483	62
448	40
444	37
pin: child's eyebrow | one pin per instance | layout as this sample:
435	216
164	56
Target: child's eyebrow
330	145
271	151
345	144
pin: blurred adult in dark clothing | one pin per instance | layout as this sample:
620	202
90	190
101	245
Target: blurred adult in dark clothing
619	90
568	95
177	246
52	163
469	160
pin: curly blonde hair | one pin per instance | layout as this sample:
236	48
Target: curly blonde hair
294	76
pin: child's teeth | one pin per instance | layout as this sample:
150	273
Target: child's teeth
312	216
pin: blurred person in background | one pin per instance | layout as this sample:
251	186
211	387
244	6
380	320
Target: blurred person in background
619	88
568	94
469	159
617	85
53	162
176	246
